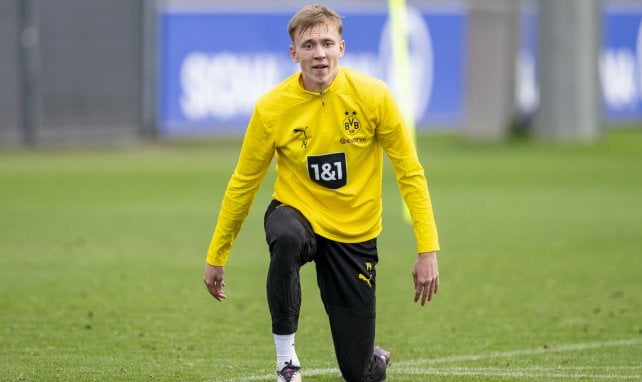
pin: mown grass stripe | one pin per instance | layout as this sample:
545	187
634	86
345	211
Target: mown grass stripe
406	367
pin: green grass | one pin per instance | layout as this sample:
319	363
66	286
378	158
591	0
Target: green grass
102	253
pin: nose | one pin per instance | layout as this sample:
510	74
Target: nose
319	52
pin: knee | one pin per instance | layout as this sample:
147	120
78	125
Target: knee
285	235
284	227
287	244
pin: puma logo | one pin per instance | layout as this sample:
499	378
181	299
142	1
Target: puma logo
366	279
305	138
304	131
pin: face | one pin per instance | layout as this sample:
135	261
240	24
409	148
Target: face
317	50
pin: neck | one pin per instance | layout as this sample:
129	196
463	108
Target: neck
312	87
318	87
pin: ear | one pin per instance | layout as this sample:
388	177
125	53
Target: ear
293	55
342	48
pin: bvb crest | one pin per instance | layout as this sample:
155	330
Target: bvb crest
351	123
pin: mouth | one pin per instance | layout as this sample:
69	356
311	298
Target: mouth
319	66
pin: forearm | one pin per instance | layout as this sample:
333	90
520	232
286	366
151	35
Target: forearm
249	173
414	190
234	210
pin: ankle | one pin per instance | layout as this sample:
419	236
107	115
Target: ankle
285	351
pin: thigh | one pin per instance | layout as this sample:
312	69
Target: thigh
288	233
346	272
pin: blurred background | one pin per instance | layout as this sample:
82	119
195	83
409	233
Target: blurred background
120	124
77	72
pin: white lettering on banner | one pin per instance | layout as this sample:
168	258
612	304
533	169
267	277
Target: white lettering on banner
617	69
620	75
617	74
226	85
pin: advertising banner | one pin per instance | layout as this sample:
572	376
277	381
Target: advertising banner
215	64
620	63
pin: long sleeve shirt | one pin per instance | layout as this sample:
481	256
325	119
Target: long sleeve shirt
329	162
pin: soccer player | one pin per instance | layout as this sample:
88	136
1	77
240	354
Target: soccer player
327	126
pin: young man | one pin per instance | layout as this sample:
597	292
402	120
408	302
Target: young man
327	126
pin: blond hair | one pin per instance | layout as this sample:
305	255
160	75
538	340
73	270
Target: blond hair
312	15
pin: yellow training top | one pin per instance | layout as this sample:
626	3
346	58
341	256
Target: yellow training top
328	149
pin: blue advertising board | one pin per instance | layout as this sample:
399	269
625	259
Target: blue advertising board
620	63
215	64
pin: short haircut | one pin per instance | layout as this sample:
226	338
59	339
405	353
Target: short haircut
312	15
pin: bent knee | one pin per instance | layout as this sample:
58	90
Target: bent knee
286	224
290	235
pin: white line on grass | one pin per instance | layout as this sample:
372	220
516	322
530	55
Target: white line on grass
515	353
552	373
541	373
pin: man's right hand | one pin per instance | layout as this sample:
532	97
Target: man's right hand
425	274
213	279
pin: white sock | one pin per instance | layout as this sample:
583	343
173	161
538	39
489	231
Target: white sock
285	352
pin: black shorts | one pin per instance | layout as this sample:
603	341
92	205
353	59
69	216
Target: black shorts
346	272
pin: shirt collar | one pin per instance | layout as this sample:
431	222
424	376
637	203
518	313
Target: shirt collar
333	85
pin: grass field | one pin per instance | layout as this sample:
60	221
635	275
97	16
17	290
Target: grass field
102	253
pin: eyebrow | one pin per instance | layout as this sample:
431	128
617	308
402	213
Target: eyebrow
311	40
